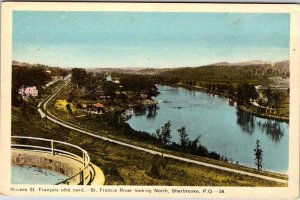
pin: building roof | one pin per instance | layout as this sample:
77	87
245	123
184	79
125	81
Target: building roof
27	86
98	105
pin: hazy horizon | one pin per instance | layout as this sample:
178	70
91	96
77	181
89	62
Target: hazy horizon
146	66
148	39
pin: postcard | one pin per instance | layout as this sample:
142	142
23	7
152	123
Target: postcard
171	100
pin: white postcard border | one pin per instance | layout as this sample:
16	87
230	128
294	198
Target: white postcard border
292	191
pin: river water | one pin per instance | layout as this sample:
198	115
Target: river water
223	128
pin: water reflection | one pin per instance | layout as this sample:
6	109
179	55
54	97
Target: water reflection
272	129
224	129
150	111
171	90
246	121
140	110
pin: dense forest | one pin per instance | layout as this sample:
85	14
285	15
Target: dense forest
229	73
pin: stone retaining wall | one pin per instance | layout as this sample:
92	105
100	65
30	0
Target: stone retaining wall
59	163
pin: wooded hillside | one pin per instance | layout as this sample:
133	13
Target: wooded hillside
233	73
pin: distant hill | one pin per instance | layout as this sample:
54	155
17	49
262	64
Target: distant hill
53	70
17	63
284	64
254	71
152	71
25	64
246	63
129	70
250	71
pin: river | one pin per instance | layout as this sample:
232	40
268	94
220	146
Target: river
223	128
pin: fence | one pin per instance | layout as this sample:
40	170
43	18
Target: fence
85	173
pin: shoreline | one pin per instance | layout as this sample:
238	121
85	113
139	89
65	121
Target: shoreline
128	112
262	115
237	107
265	116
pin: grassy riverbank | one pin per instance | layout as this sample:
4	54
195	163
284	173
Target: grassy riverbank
254	110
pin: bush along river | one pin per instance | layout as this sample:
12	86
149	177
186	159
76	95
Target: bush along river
223	128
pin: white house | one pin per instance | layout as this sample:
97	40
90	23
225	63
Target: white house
144	96
28	91
258	87
54	80
57	78
108	78
116	81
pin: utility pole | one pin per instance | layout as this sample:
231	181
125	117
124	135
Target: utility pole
46	118
86	140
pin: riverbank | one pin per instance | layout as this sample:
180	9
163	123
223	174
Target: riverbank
128	112
201	89
264	115
248	109
112	129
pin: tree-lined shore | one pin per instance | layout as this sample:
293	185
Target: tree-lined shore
273	105
260	88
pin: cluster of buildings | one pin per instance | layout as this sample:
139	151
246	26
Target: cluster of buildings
28	91
32	91
95	108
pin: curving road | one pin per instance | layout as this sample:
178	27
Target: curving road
42	109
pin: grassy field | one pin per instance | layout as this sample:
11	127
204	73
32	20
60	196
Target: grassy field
125	166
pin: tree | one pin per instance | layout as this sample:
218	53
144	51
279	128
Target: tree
27	76
70	97
139	83
193	145
110	88
164	136
183	136
68	106
258	153
79	76
155	167
93	84
246	92
275	97
231	91
278	98
64	73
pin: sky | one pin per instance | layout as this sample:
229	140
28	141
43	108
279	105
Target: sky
148	39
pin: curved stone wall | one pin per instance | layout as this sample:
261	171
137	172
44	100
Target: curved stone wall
64	164
60	163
